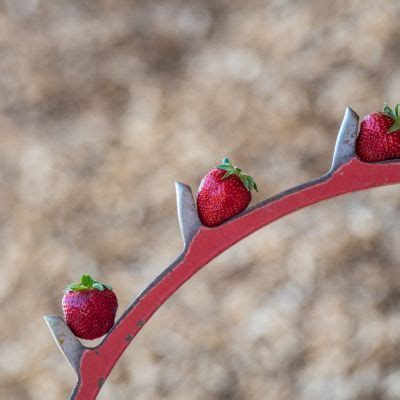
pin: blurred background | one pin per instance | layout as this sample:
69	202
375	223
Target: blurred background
103	105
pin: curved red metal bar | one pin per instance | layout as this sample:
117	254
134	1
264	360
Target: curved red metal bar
202	244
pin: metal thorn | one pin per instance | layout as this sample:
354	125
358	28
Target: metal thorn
187	213
67	342
346	140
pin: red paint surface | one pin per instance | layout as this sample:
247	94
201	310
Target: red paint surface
207	244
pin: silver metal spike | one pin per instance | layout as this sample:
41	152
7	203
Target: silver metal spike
346	140
69	345
187	213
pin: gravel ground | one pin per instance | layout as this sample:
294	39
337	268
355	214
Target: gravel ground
103	105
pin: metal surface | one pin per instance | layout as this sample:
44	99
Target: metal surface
66	341
202	244
346	140
189	221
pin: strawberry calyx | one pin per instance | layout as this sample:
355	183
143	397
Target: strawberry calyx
246	179
86	283
394	114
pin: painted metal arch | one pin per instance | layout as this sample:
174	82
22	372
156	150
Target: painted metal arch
202	244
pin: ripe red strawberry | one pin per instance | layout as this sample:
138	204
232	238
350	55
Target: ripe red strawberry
89	308
223	193
379	137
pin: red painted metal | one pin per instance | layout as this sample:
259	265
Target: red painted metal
202	244
354	175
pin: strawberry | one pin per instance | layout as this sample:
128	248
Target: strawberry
223	193
379	136
89	308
